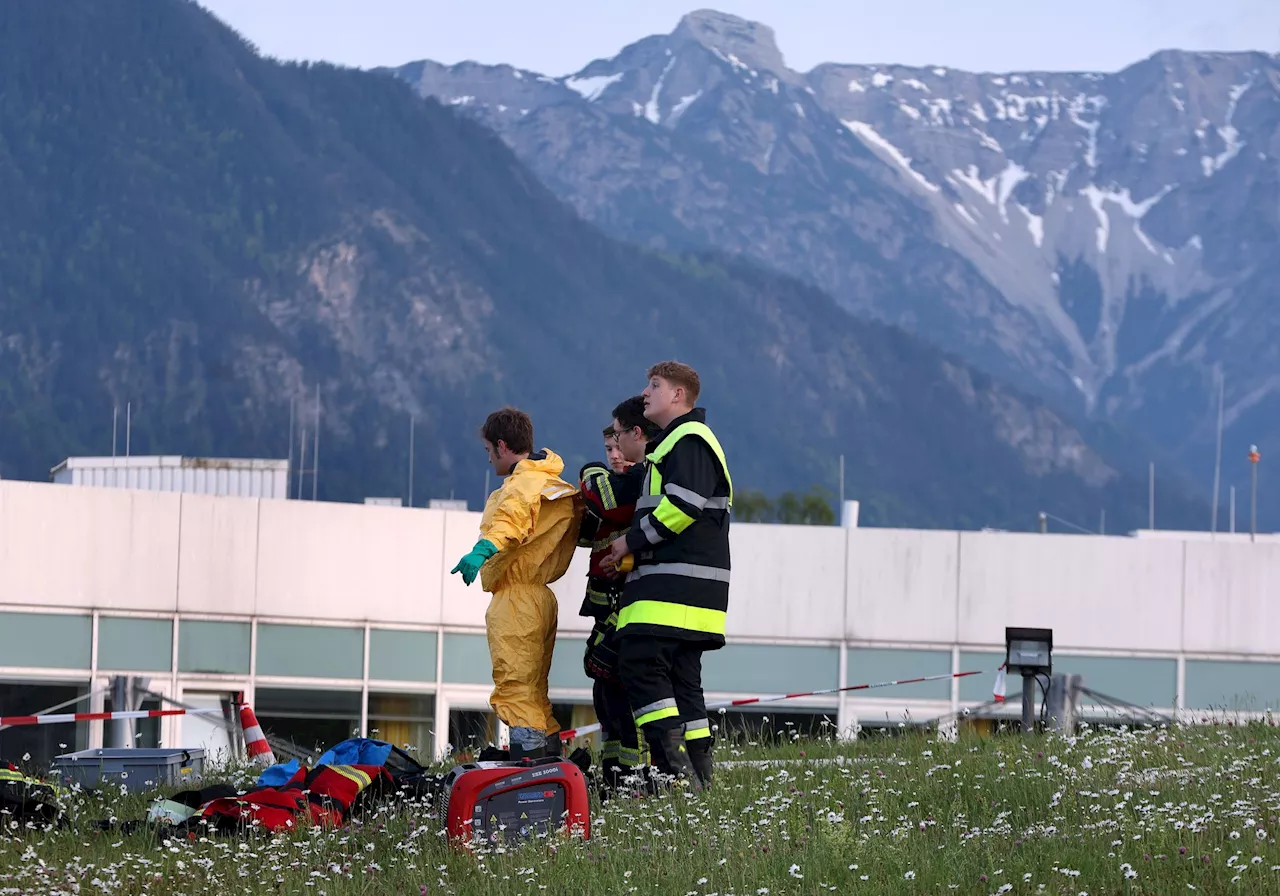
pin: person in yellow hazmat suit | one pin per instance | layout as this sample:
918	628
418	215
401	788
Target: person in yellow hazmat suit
528	534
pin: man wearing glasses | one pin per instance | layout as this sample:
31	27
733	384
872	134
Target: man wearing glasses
610	495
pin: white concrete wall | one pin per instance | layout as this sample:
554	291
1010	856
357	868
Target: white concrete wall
1232	598
67	546
1093	591
113	549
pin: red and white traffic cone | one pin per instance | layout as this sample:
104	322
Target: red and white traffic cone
255	741
999	690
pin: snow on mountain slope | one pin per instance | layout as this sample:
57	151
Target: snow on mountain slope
1104	237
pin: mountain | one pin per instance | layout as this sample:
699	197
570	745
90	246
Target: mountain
1108	241
210	235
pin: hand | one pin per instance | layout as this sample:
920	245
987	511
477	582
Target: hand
617	550
470	564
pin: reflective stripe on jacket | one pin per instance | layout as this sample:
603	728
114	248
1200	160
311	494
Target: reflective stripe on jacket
680	538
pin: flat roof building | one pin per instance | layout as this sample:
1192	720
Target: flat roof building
334	618
229	476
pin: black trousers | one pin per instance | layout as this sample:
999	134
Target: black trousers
663	680
618	730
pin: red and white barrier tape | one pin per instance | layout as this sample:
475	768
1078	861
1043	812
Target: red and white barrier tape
588	729
58	718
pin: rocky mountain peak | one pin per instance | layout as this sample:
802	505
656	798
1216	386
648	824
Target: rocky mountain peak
738	41
1105	235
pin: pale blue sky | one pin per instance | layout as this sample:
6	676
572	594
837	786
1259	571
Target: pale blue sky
558	37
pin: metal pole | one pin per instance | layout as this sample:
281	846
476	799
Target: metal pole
1233	510
119	728
1102	524
1151	497
1044	522
412	421
1217	463
1028	702
1253	505
315	452
115	427
128	426
287	483
302	459
1254	457
841	514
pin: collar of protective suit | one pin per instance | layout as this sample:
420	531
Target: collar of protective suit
532	519
544	461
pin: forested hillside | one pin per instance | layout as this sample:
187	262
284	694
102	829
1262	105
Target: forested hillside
208	234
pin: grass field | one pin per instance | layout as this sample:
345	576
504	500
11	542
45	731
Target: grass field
1110	811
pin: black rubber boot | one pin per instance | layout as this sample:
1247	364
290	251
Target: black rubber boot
700	757
671	756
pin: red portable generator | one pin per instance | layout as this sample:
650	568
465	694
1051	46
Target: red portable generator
510	801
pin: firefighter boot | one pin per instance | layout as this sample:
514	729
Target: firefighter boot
671	756
700	757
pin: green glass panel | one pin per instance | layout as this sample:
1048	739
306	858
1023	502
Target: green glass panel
1138	680
402	655
310	651
214	647
873	665
978	688
466	659
142	645
770	669
566	664
1141	681
46	640
1232	686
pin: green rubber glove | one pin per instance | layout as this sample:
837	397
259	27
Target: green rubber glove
470	565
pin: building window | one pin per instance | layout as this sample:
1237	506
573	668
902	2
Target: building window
470	730
42	742
310	651
141	733
45	640
402	655
139	645
217	648
311	720
405	720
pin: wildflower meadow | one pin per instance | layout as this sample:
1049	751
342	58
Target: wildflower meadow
1109	810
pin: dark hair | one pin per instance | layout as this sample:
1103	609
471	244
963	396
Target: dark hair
631	414
512	426
678	374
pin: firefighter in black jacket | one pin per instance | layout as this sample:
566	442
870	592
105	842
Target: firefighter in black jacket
676	596
610	499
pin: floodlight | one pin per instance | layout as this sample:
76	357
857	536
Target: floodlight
1028	652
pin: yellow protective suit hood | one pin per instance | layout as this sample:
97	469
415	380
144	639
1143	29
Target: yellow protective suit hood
532	519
